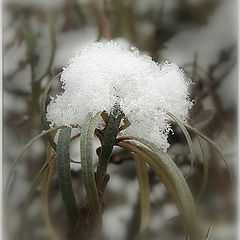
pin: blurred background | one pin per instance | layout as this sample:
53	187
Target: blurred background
39	38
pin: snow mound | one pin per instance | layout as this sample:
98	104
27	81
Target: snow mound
106	73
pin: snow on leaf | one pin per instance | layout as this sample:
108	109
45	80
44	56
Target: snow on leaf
105	73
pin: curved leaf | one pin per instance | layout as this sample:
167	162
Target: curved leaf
205	165
189	141
111	133
40	176
64	176
16	161
41	173
86	150
171	177
143	181
48	164
43	110
45	203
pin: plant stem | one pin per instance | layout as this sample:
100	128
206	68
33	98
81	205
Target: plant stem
112	130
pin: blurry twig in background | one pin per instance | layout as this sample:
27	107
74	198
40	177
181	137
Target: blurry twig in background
103	23
206	84
74	16
52	35
33	58
206	81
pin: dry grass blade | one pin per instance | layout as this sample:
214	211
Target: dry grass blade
208	233
45	203
40	176
143	181
17	160
51	158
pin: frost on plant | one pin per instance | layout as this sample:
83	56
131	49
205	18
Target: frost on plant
105	73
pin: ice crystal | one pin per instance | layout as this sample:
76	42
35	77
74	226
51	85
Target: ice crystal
106	73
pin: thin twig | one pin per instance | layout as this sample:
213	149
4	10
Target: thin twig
103	22
207	82
52	34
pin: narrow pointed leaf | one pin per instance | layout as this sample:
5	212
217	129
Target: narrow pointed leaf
40	176
143	181
86	149
204	151
171	177
17	160
45	203
111	133
51	159
189	141
43	110
64	176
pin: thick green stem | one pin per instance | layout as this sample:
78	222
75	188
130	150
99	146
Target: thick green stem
111	133
64	176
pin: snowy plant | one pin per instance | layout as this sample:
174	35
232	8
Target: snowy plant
104	75
124	99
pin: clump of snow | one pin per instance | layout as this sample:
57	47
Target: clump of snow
105	73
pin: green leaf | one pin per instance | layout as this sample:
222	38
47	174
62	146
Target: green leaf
17	160
204	151
86	150
189	141
171	177
143	181
111	133
64	176
45	124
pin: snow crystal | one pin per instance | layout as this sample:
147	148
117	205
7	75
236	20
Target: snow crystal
105	73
